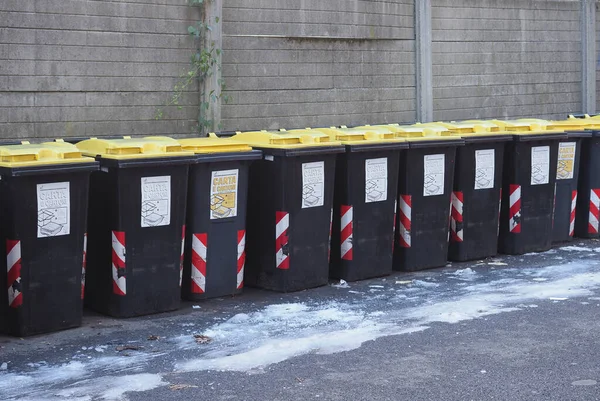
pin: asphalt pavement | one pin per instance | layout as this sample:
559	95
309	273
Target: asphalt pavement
505	328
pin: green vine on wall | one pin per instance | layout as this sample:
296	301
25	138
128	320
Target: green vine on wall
203	63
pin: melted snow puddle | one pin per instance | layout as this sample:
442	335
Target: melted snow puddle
248	342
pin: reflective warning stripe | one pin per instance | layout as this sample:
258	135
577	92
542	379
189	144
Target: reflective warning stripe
405	220
346	232
282	255
594	214
83	265
456	216
241	258
330	233
118	263
514	213
199	252
13	270
181	258
573	210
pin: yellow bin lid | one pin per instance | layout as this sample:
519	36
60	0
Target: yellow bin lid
467	127
132	148
212	144
578	124
285	140
355	136
48	153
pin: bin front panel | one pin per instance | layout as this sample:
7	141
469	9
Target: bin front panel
567	175
588	191
476	201
42	251
289	219
423	215
140	239
216	226
363	214
528	197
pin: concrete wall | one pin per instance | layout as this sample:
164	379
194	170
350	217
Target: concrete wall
506	58
291	63
89	67
78	67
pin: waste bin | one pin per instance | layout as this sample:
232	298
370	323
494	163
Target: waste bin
477	190
364	201
424	196
215	230
528	195
289	210
135	225
587	213
567	172
43	196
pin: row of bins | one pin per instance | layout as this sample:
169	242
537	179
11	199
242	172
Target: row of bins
169	218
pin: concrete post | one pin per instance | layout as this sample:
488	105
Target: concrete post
588	56
423	60
212	88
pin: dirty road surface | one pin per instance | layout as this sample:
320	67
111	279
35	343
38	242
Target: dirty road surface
505	328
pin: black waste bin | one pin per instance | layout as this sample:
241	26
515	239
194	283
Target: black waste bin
366	182
215	246
44	199
135	225
475	202
567	176
528	191
424	195
588	188
289	210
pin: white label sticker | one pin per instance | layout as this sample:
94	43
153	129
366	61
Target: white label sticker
313	184
540	165
484	168
376	180
54	209
223	194
156	201
433	183
566	160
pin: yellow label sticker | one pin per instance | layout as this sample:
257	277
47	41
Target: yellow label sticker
223	194
566	160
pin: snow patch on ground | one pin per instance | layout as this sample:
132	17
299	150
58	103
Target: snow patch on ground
573	248
75	380
280	332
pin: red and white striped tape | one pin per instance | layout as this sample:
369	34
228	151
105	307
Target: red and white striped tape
199	258
181	258
514	213
118	263
573	212
241	258
456	217
346	228
83	265
405	220
13	268
594	214
282	256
